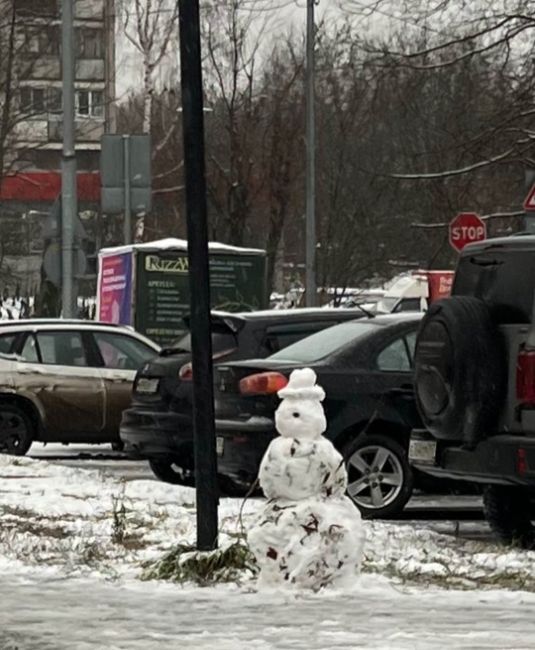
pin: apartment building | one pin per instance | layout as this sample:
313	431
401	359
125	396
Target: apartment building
32	167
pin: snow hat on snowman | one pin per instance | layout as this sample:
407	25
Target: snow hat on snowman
300	414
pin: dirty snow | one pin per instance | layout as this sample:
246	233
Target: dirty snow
73	544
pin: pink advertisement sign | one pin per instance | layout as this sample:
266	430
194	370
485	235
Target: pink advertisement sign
115	289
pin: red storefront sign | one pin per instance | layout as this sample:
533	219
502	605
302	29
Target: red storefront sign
46	186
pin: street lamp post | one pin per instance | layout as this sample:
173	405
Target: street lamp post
201	343
310	227
69	203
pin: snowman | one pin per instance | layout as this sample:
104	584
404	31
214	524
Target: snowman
308	533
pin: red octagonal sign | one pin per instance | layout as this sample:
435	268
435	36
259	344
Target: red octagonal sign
465	228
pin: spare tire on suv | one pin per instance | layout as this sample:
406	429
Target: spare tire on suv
459	370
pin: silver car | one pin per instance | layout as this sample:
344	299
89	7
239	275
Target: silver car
66	381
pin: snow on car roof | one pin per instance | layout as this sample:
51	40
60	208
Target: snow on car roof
172	243
295	312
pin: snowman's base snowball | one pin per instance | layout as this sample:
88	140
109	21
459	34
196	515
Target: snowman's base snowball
311	543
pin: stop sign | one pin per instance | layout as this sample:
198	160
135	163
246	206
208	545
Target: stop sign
466	228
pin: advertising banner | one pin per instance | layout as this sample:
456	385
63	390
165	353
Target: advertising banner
237	283
115	289
440	283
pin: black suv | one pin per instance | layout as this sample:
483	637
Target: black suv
475	383
158	425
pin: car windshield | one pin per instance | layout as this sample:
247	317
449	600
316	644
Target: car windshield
322	344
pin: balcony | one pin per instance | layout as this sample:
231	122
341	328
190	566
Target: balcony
87	130
90	70
43	66
89	10
38	9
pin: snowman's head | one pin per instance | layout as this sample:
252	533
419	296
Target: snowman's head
300	414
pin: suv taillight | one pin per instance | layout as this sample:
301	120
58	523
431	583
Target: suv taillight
525	377
263	383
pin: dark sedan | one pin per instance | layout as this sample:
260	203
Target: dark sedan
365	368
158	424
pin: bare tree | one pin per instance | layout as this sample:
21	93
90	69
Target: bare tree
282	146
444	33
150	26
231	70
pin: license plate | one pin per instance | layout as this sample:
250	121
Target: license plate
147	386
422	451
219	445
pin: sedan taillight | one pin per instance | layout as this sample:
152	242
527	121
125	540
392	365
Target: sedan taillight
263	383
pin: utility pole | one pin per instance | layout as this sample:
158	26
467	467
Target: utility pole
69	201
310	228
127	198
199	278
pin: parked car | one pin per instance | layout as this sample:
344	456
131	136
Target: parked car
158	425
475	383
365	368
66	381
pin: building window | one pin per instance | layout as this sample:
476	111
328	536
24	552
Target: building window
32	100
90	103
82	102
37	8
89	43
40	100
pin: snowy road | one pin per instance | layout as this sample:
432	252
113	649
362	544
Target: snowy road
76	614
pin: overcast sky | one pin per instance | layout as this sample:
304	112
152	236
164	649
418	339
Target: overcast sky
282	13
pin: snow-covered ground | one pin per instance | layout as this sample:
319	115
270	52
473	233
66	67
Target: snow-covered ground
73	544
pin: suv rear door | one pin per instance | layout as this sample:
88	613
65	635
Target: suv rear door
56	368
120	356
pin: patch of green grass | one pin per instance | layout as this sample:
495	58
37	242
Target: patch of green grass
92	553
185	564
17	511
513	581
22	520
39	530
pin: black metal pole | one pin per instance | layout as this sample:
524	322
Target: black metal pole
201	345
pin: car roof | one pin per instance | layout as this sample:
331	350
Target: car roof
400	317
519	241
57	321
67	324
378	322
299	313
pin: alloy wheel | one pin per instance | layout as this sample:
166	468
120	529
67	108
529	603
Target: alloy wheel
13	432
375	477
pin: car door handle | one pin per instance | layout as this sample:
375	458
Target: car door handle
119	378
403	391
